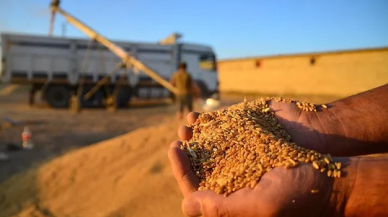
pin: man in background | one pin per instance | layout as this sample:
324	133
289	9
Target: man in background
183	82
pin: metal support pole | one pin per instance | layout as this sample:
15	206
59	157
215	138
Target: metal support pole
103	81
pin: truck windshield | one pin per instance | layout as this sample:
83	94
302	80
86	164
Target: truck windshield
208	62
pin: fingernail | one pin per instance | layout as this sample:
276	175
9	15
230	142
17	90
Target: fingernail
193	208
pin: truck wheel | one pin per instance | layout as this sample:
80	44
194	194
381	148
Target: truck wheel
124	96
57	96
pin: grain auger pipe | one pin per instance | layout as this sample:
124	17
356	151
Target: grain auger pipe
128	60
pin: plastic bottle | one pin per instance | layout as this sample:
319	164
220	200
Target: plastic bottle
27	138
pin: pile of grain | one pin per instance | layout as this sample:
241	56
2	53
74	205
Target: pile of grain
232	148
128	175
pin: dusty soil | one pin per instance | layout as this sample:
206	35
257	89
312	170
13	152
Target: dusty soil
91	164
126	176
58	131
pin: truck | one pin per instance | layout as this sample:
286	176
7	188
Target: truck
56	65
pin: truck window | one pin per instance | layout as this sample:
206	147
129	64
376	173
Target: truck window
207	62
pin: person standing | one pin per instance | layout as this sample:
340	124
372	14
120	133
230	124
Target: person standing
183	82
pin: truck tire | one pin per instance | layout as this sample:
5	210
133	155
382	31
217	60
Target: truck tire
124	96
57	96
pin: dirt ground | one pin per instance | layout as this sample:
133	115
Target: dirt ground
58	131
91	164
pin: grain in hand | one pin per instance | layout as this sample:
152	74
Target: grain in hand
234	147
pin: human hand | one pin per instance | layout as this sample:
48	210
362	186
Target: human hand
306	128
355	125
280	192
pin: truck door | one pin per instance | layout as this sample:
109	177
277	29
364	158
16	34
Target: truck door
202	67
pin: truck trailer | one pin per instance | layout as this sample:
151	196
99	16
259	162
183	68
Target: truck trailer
56	65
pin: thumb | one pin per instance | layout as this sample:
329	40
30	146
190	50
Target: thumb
204	203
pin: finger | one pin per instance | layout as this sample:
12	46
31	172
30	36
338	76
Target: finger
176	144
187	180
185	133
205	203
192	117
285	110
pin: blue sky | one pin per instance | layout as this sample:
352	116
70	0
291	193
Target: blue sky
235	29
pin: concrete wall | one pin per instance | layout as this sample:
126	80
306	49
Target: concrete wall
336	74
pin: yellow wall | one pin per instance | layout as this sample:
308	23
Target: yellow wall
337	74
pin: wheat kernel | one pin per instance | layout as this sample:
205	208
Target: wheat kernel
315	165
232	148
338	165
292	161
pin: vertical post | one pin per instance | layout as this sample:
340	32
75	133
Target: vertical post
52	23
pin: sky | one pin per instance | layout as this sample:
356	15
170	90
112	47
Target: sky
239	28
